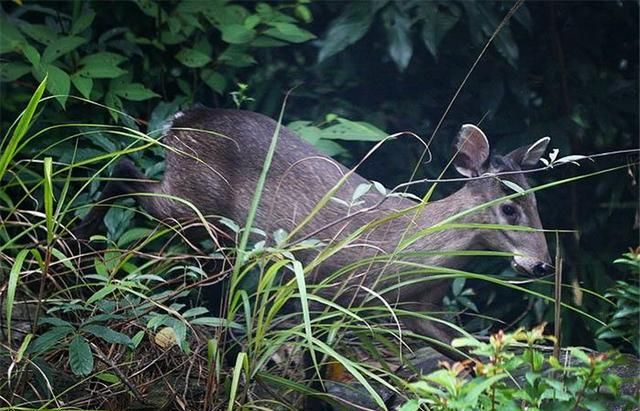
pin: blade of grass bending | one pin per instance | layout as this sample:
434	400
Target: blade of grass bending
255	201
14	275
48	199
237	370
558	300
304	303
9	151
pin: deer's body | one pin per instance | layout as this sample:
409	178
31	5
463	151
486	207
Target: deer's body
218	173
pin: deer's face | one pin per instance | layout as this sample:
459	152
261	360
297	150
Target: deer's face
473	160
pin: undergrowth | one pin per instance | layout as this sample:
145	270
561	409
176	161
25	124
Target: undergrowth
128	320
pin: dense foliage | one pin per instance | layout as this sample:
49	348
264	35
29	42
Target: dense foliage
521	71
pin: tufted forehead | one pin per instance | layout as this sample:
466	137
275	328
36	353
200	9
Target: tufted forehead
503	163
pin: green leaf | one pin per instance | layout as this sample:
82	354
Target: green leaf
237	34
349	27
13	71
30	53
14	275
512	186
107	334
289	32
134	92
439	19
49	339
83	22
101	293
192	58
214	80
83	84
10	36
58	84
99	71
102	65
108	377
353	131
102	58
398	27
80	356
132	235
9	150
458	285
479	386
412	405
61	47
39	32
235	56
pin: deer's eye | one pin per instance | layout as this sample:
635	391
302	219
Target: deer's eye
510	212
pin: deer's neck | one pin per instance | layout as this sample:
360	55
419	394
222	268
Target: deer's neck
445	239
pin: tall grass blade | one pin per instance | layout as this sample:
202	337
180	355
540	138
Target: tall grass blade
9	151
237	371
14	275
48	199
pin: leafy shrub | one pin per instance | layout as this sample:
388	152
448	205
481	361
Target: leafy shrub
624	320
580	381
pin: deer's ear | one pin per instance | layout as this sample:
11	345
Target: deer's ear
529	156
471	151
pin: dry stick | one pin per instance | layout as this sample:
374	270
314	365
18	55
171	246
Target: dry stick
558	300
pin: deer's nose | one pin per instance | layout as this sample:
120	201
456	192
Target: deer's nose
542	269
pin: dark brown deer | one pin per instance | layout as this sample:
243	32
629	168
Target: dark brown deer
217	172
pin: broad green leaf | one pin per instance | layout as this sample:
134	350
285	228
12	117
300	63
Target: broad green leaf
132	235
289	32
237	34
216	81
102	58
398	27
458	285
134	92
412	405
192	58
100	71
439	19
230	14
194	312
10	36
83	22
478	387
59	83
101	293
80	356
49	339
13	71
30	53
114	102
108	377
353	131
61	47
39	32
252	21
107	334
54	321
349	27
303	13
83	84
235	56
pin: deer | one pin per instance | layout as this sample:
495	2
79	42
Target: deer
214	158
